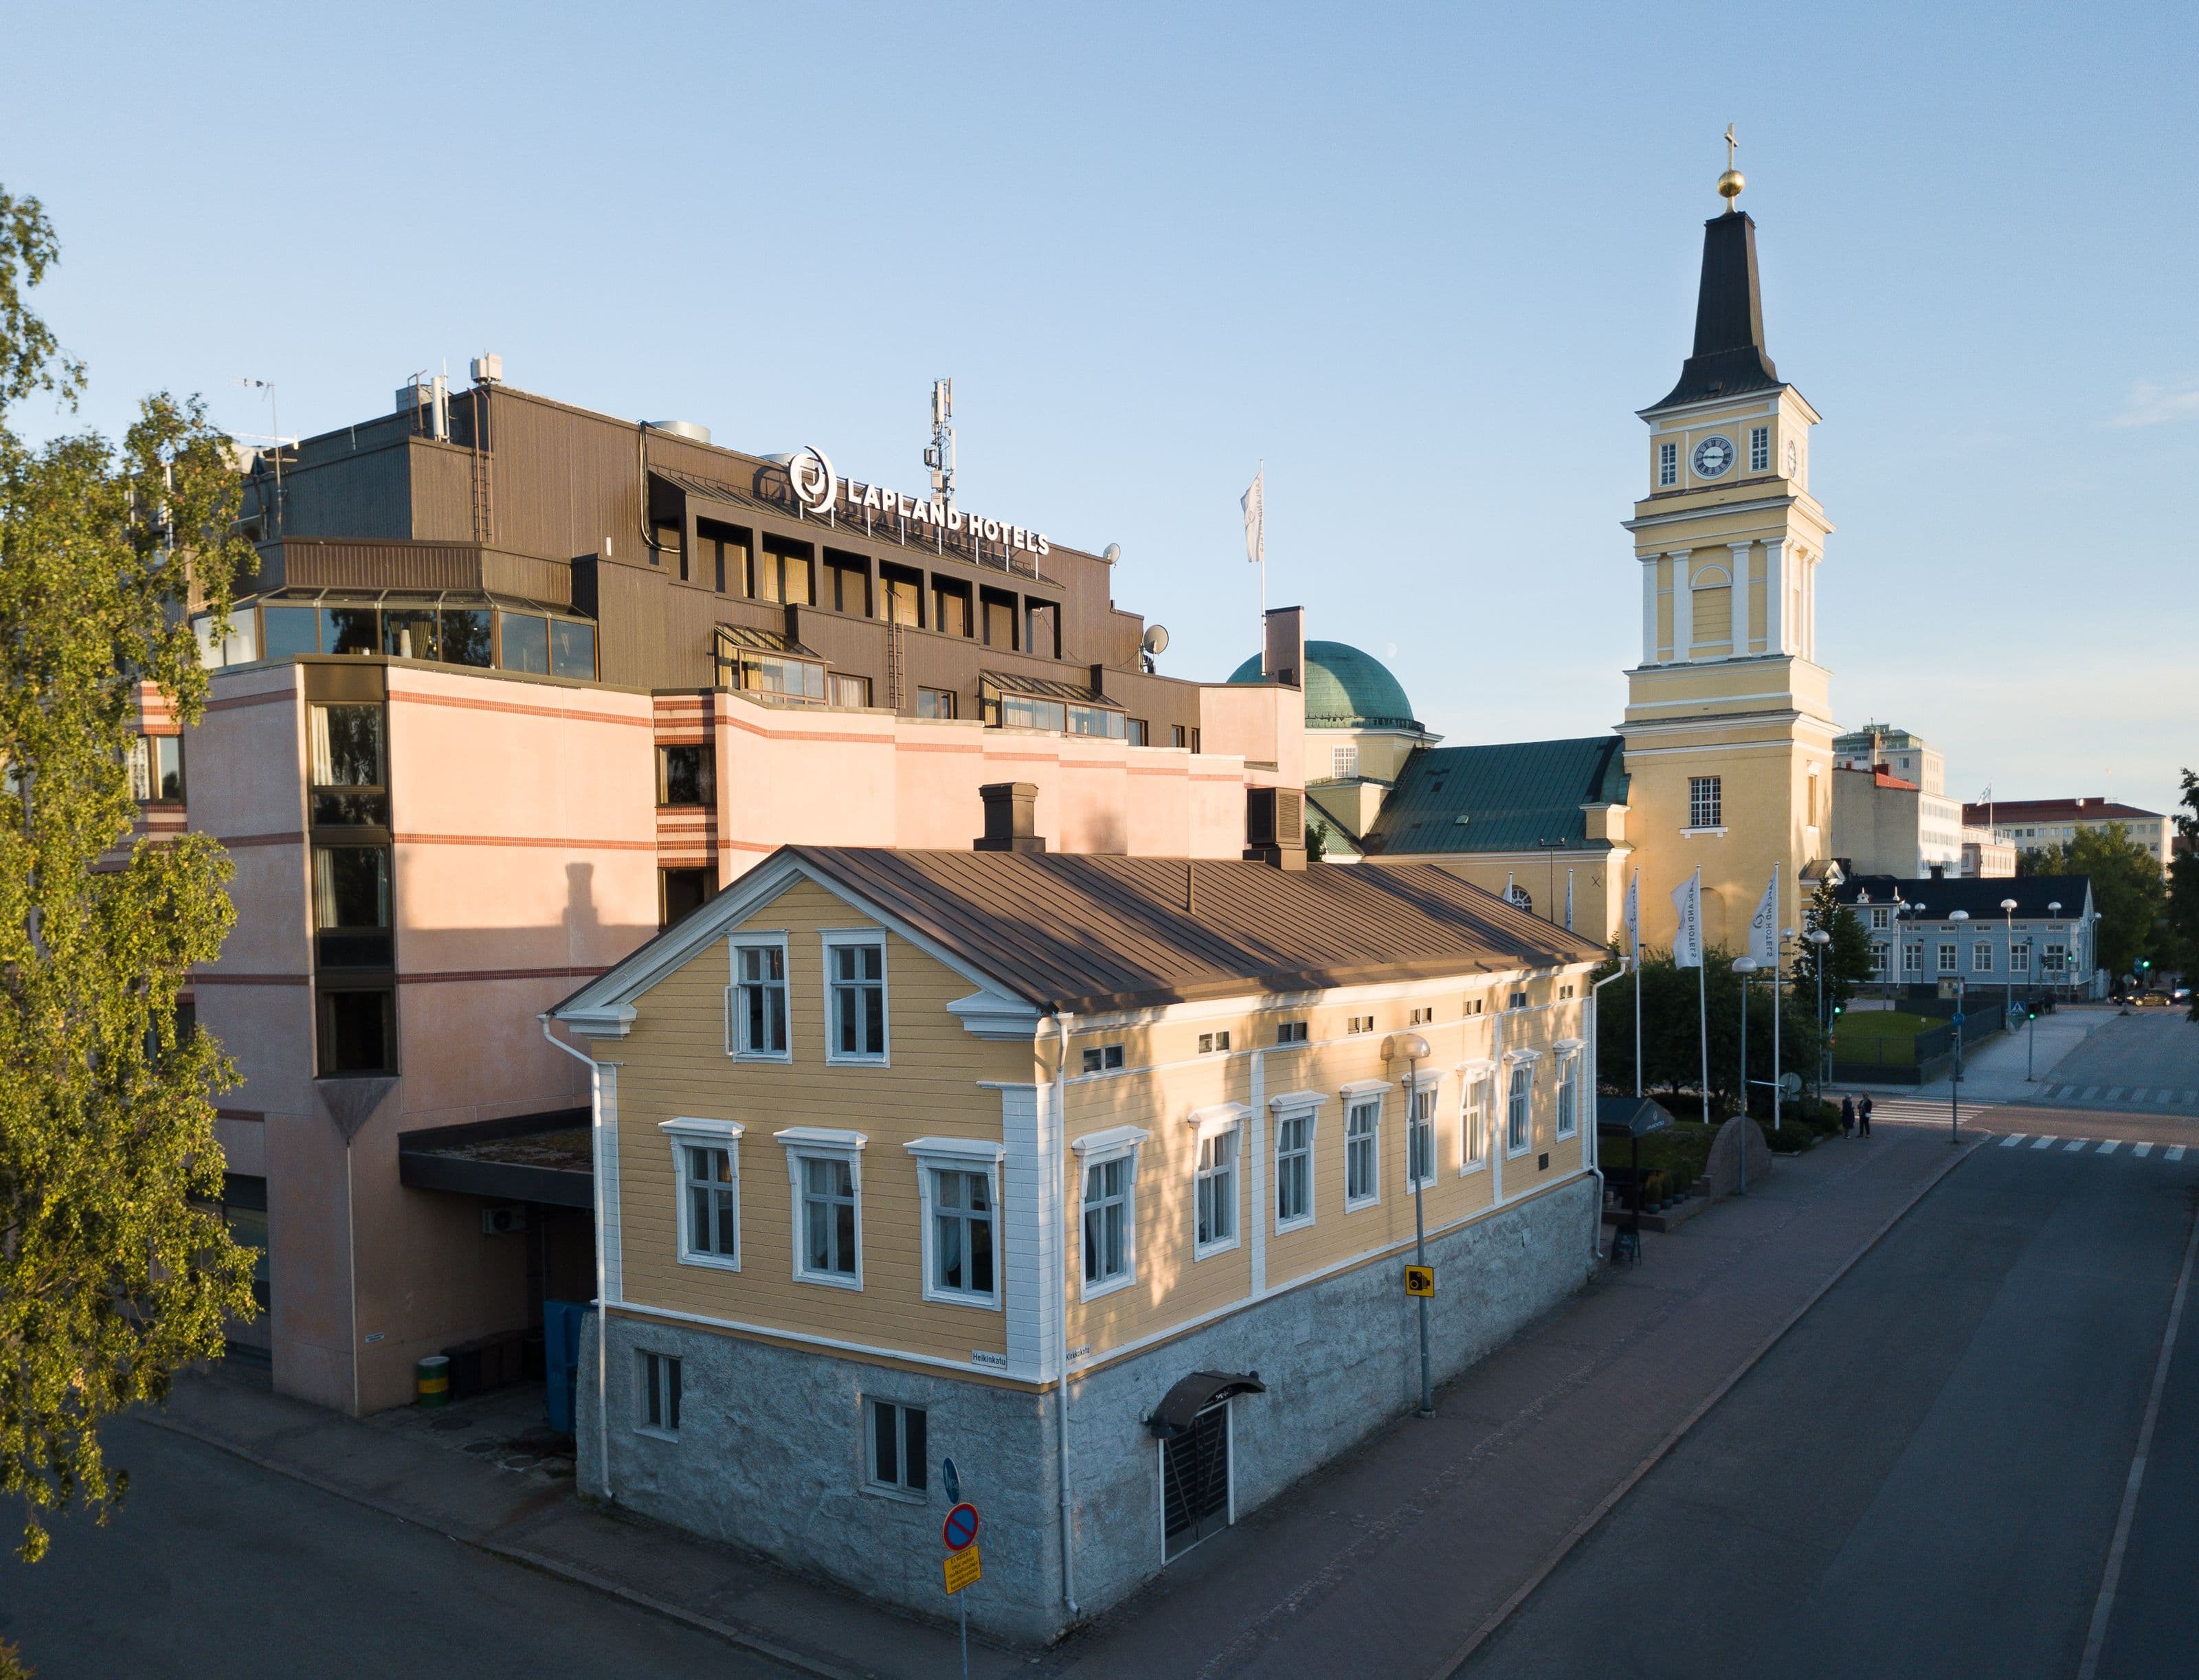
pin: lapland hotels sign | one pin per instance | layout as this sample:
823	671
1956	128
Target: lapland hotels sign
820	491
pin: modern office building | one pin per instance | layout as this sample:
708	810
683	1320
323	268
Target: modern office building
517	685
1097	1174
2033	825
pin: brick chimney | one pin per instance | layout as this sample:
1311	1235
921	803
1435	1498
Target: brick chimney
1008	825
1275	826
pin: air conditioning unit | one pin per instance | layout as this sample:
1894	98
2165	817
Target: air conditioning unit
503	1221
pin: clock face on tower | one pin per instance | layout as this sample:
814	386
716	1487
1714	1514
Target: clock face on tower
1713	455
1793	457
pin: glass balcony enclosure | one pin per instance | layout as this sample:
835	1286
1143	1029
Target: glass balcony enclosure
765	662
486	632
1011	701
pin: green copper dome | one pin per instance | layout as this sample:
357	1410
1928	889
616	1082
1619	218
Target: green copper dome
1345	689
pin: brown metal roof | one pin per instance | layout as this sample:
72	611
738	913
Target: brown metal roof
1084	932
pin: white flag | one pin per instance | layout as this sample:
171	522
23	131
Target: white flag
1255	521
1634	917
1569	901
1688	943
1763	925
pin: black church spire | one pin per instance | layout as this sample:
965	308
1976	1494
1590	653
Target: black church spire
1729	358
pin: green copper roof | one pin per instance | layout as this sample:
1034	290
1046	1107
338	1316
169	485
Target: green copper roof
1514	795
1345	689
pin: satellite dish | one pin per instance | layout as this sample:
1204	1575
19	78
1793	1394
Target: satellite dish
1156	640
1114	552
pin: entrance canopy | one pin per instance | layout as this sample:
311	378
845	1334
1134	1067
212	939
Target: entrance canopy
1193	1395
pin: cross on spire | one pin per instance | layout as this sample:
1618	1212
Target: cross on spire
1732	145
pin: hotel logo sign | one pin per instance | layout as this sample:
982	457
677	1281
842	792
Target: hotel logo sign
822	493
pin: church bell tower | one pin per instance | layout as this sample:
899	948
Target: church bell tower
1729	725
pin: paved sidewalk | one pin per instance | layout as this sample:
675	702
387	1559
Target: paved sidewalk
1385	1564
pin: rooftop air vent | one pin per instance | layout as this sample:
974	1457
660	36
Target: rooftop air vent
686	429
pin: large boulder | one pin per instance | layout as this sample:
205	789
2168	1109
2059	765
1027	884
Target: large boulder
1722	1173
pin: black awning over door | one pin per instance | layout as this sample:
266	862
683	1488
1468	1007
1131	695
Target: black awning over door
1194	1394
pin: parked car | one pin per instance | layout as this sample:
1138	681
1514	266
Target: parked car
2153	1000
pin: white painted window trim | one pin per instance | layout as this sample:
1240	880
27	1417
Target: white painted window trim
1569	1063
735	944
1479	1073
724	1134
1513	1060
968	1155
1096	1149
834	939
824	1143
1295	1106
655	1432
1369	1091
1429	1080
1214	1121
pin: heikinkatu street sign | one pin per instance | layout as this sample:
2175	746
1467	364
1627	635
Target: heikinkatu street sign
1420	1279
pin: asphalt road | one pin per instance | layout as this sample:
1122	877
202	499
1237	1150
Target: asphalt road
1925	1477
214	1566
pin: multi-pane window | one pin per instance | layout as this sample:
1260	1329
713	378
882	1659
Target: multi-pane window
1947	960
712	1209
858	998
1363	1132
156	767
684	775
1706	802
1135	730
1106	1058
935	703
358	1031
962	1232
1211	1042
2019	959
1981	958
848	691
1473	1148
1107	1220
2055	958
1421	1018
1359	1023
1289	1032
656	1408
1881	958
898	1451
1216	1190
828	1217
1912	960
1293	1169
1668	465
1882	918
1760	449
1568	1096
351	907
346	762
1518	1102
1420	1138
759	999
1345	763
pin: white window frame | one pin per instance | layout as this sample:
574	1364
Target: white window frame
1344	762
1668	464
1478	1076
1716	787
1981	957
899	1490
824	1143
1881	958
736	1018
1948	958
1290	1107
688	1132
1760	449
1569	1083
834	940
1912	957
1427	1086
642	1395
1371	1092
1212	1124
2019	958
964	1155
1517	1062
1096	1149
1882	918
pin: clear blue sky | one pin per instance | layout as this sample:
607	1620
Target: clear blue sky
1426	262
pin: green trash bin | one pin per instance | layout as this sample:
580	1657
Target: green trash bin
432	1381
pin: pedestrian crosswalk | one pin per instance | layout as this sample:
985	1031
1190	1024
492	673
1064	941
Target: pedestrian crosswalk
2134	1096
2078	1146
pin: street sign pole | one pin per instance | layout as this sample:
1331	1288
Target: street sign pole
1420	1225
958	1534
1954	1085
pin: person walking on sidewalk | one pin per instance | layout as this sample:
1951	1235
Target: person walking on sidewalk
1847	1116
1862	1116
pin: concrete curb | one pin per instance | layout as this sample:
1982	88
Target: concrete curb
1580	1530
793	1660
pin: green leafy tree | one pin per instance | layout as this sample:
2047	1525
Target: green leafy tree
1682	1013
1846	959
2183	890
110	1277
2127	890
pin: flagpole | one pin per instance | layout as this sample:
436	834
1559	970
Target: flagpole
1777	942
1262	481
1634	932
1702	993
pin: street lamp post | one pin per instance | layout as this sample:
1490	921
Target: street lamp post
1777	952
1744	966
1820	938
2008	915
1416	1050
1954	1085
2054	914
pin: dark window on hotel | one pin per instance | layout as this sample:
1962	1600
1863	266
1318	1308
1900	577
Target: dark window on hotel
409	632
1134	731
935	703
847	583
726	550
1177	735
950	603
848	691
346	759
1194	740
572	649
1042	629
904	592
685	775
465	637
358	1033
1289	1032
525	643
350	629
288	630
1000	619
351	907
1107	1058
680	893
156	767
783	572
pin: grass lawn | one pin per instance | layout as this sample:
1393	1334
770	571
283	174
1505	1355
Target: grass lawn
1879	1034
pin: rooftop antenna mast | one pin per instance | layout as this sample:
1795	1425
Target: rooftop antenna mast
274	419
939	455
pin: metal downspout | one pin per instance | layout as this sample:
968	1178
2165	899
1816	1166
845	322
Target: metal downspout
1061	1310
1595	1086
603	1305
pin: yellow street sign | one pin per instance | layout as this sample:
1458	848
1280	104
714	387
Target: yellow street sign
962	1570
1420	1279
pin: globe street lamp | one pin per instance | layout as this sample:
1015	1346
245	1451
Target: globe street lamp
1820	938
1744	966
2008	915
1954	1085
2053	912
1420	1163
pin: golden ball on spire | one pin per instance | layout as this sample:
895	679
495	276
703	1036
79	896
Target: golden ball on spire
1729	185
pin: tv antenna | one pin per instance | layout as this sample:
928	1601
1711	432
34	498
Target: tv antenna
939	455
275	420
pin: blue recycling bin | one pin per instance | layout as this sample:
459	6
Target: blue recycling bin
561	1358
